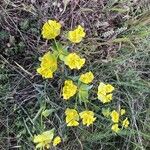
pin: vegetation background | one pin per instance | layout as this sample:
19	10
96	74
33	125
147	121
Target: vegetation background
117	50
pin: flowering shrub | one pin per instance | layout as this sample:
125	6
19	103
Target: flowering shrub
74	88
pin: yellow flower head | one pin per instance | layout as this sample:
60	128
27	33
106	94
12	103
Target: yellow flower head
45	72
104	92
76	35
72	117
87	77
74	61
51	29
125	123
115	128
87	117
56	140
44	139
69	89
49	60
48	65
122	111
114	116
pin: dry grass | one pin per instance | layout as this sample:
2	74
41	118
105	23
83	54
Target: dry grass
117	50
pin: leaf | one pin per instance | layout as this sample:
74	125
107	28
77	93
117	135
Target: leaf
47	112
84	92
60	50
63	55
106	112
119	10
74	78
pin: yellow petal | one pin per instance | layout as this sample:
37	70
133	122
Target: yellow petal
56	141
125	123
115	128
69	89
51	29
76	35
114	116
87	77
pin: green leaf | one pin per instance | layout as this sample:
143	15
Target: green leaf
74	78
47	112
84	92
61	51
119	10
106	112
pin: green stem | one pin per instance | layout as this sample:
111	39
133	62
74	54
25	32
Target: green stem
56	44
76	103
85	105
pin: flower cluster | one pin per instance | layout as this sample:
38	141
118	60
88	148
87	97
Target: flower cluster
81	89
87	77
48	65
105	92
69	89
46	140
73	61
87	117
76	88
72	117
115	117
76	35
51	29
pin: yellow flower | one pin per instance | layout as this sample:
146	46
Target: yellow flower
87	77
122	111
48	65
105	98
49	60
104	92
105	88
45	72
56	140
72	117
69	89
44	139
74	61
76	35
51	29
115	128
125	123
87	117
114	116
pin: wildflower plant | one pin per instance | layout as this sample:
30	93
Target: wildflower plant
75	89
46	139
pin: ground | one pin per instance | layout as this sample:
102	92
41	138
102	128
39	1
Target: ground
117	51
